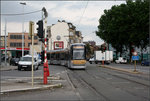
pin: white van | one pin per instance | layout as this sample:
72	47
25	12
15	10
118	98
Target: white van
26	63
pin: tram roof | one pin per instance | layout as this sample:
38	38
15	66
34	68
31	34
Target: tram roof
78	44
60	50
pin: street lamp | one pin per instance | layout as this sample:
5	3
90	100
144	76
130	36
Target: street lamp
23	3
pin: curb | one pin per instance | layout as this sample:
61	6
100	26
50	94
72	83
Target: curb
7	68
120	69
33	89
140	81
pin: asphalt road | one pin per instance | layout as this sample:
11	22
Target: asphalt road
94	83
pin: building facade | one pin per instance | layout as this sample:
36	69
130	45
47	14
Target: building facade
62	35
14	43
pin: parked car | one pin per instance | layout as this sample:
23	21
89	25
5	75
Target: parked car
145	63
3	57
14	61
39	61
121	60
91	60
26	63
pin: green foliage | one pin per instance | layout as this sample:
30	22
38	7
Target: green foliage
125	24
88	50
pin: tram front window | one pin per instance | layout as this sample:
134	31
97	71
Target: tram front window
78	54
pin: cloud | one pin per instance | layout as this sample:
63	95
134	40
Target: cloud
71	11
39	5
16	27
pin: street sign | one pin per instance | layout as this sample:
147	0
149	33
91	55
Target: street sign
135	53
135	57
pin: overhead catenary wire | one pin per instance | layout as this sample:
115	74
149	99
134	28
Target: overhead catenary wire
20	13
83	13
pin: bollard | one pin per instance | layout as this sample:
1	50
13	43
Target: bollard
45	74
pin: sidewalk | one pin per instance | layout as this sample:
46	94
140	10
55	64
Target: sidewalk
20	84
25	84
121	69
6	66
128	68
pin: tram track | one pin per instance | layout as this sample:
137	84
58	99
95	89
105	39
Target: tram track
129	79
81	74
80	79
118	76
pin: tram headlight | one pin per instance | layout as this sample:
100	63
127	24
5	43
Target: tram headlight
72	62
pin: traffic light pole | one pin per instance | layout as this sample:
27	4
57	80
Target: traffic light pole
46	69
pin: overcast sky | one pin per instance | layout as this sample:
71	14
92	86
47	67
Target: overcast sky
70	11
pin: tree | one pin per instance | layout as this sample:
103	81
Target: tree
88	51
125	25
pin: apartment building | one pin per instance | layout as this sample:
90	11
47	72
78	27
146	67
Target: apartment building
14	43
62	35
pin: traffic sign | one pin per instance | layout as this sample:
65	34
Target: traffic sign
135	53
135	57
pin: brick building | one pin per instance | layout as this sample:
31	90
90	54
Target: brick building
14	43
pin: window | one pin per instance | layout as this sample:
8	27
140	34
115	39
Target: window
78	54
16	44
29	37
16	37
35	37
11	36
71	33
35	43
29	44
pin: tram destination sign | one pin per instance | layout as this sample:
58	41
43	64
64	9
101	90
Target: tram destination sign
78	47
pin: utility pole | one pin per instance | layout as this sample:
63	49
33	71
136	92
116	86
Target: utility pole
23	30
46	69
5	43
0	49
31	33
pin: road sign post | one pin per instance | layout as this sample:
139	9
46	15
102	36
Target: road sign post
135	66
46	69
31	33
135	57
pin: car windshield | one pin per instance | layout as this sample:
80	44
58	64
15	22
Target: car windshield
26	59
16	59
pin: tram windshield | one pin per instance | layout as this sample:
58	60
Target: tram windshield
78	54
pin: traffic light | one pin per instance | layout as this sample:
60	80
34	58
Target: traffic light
103	48
31	28
40	29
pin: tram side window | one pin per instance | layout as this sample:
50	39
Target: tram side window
48	56
66	56
62	56
57	56
51	56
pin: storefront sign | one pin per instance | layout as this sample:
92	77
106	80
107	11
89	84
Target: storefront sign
58	45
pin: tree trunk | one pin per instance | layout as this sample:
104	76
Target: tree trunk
116	54
141	54
130	52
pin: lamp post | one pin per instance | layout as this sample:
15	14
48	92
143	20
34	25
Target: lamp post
23	3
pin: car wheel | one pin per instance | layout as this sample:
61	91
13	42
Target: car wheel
37	68
90	62
19	68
